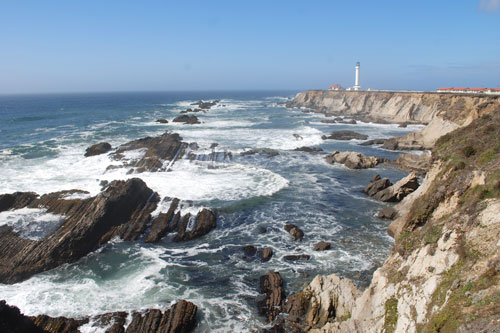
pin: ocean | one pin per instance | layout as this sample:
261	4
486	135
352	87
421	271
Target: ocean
42	146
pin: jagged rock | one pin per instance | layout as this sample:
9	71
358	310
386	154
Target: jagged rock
180	318
309	149
161	225
388	213
295	231
373	142
12	321
272	285
250	250
162	121
322	246
117	321
376	185
16	200
58	324
296	306
190	120
98	149
267	253
345	135
205	221
205	105
354	160
158	150
123	209
297	257
398	191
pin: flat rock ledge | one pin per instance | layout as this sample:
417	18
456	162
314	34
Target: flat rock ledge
122	210
345	135
181	317
354	160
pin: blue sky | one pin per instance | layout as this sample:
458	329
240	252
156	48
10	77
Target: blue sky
71	46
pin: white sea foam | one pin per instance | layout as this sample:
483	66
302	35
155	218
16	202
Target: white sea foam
31	223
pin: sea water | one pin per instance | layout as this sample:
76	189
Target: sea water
42	146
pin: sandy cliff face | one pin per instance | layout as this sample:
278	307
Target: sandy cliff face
443	274
443	112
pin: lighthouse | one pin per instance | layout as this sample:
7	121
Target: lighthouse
356	82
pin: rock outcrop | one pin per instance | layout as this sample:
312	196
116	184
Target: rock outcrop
383	190
190	120
345	135
354	160
157	151
98	149
272	285
295	231
122	210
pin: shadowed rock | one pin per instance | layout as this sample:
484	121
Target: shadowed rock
297	257
162	121
180	318
272	285
161	225
97	149
376	185
309	149
204	222
123	210
398	191
16	200
11	320
58	324
250	250
345	135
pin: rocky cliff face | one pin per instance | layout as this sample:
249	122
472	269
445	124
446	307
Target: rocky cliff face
443	112
443	274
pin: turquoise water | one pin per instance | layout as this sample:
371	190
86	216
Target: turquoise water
43	141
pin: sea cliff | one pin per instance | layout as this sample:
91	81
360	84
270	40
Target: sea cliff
442	112
443	273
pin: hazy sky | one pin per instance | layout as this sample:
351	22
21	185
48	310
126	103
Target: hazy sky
66	46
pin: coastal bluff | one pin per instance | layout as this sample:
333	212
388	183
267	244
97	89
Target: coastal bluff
442	113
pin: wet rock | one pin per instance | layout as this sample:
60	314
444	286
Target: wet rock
298	137
123	210
268	152
181	317
322	246
11	320
162	121
158	150
388	213
206	105
309	149
16	200
376	185
353	160
161	225
190	120
272	285
345	135
297	257
262	230
98	149
295	231
115	321
58	324
398	191
267	253
250	250
328	121
204	222
296	306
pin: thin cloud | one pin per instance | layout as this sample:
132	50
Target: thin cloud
489	5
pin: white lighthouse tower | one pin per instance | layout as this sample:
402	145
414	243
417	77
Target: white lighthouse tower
356	82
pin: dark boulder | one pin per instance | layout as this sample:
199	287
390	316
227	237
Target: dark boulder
13	321
267	253
98	149
373	142
180	318
400	190
250	250
58	324
204	222
272	285
309	149
190	120
295	231
322	246
162	121
161	225
376	185
263	151
297	257
16	200
345	135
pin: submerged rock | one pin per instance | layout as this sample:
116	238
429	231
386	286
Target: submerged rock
295	231
354	160
345	135
297	257
272	285
250	250
309	149
97	149
264	151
